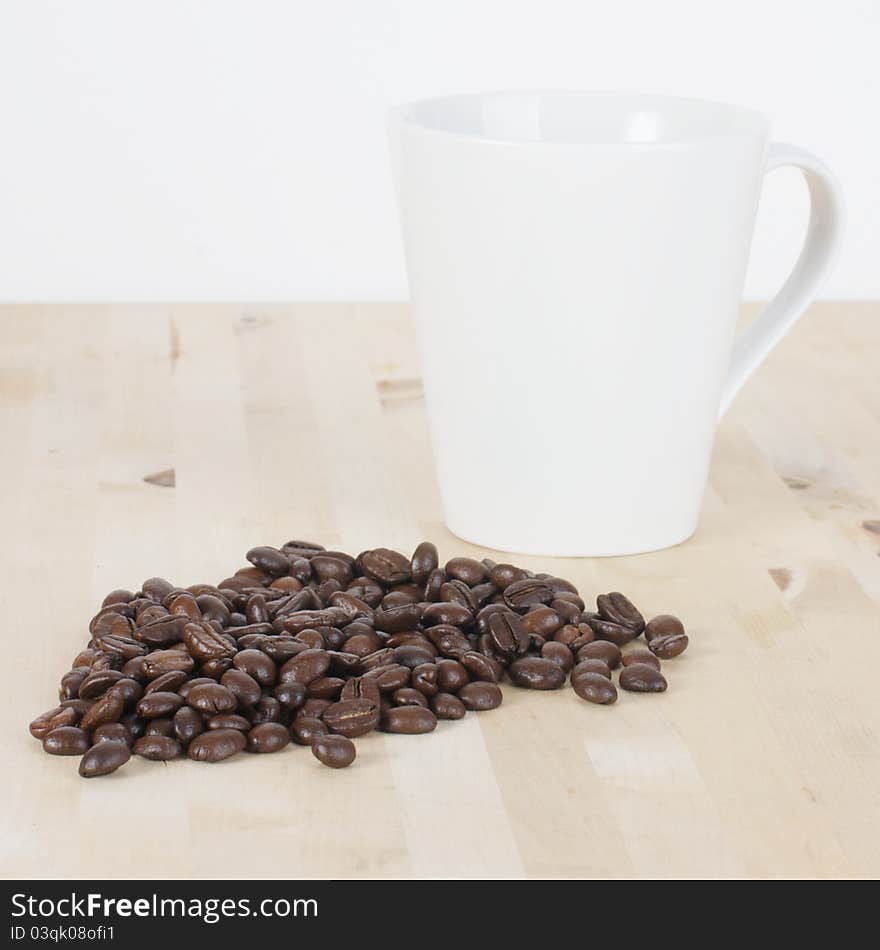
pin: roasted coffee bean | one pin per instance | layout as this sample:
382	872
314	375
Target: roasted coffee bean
268	737
243	686
412	655
434	584
326	567
157	748
600	650
282	648
468	570
481	667
301	548
106	709
396	619
480	696
231	721
216	745
408	720
336	752
620	610
507	634
304	667
407	696
535	672
594	688
268	709
541	621
112	732
520	595
325	687
210	699
53	719
559	654
451	675
290	695
118	596
66	740
124	646
424	678
389	677
204	643
386	566
591	666
306	729
352	717
614	632
163	661
447	706
163	726
640	656
566	611
666	636
156	588
446	613
104	758
158	704
257	665
642	678
184	605
166	683
129	690
424	560
162	631
448	640
97	683
270	560
186	725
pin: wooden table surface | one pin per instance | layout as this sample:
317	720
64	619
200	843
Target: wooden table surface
144	440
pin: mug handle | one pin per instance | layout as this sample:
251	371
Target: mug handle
814	262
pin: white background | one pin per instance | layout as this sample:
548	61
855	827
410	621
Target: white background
225	149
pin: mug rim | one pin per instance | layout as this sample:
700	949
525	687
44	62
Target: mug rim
741	120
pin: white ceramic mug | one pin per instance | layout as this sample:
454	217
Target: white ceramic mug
576	262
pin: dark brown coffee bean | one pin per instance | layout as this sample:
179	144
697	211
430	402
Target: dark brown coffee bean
270	560
594	688
447	706
451	676
336	752
210	699
407	696
205	643
301	548
53	719
184	605
408	720
641	678
186	725
216	745
389	677
352	717
468	570
619	609
290	695
121	645
104	758
413	655
503	575
481	667
326	567
282	648
162	631
163	726
640	656
665	635
66	740
157	748
112	732
159	704
386	566
304	667
71	682
433	585
268	709
447	613
129	690
616	633
600	650
424	560
559	654
507	634
118	596
305	730
534	672
405	617
355	608
424	678
106	709
325	687
97	683
520	595
243	686
541	621
268	737
230	721
591	666
156	588
257	665
163	661
166	683
480	696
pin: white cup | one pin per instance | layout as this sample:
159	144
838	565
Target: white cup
576	262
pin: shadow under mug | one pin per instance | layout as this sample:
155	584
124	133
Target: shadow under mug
576	262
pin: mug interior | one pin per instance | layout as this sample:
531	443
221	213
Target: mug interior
582	118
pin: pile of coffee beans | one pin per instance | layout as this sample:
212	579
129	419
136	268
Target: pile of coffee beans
319	647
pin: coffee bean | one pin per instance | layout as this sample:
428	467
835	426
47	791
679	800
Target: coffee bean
481	667
336	752
408	720
257	665
594	688
591	666
104	758
508	635
467	570
386	566
666	636
211	699
480	696
268	737
405	617
620	610
424	560
534	672
352	717
243	687
600	650
270	560
157	748
642	678
447	706
204	643
163	661
447	613
520	595
306	729
107	709
216	745
112	732
157	704
640	656
66	740
407	696
166	683
186	725
162	726
503	575
559	653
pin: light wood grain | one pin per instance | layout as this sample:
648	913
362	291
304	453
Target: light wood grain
762	760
